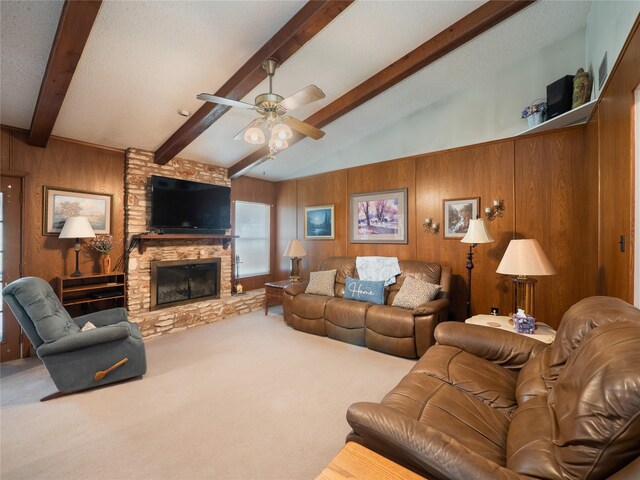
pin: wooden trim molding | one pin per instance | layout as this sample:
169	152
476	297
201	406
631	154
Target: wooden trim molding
452	37
76	21
313	17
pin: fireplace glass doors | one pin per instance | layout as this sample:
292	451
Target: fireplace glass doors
179	282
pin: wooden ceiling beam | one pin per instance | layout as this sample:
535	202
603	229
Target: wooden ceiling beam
76	20
456	35
303	26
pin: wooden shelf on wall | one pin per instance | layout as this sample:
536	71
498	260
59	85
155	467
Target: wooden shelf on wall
146	237
573	117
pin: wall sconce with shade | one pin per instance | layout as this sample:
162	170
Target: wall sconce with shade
495	211
476	234
430	226
77	227
523	259
295	251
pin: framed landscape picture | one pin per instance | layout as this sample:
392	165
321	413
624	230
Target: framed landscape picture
61	204
319	223
378	217
457	213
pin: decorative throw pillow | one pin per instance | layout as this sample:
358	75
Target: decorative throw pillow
364	291
415	292
322	283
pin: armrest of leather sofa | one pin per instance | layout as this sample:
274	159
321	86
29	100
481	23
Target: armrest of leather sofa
429	308
296	288
507	349
407	441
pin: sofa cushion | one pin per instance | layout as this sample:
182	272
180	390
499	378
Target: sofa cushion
475	376
344	320
415	292
579	320
322	283
427	272
390	321
438	405
530	448
364	291
595	403
344	266
531	380
391	330
309	306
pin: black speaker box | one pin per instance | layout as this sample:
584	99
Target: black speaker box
559	96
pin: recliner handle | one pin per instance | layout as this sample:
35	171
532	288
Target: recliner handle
103	373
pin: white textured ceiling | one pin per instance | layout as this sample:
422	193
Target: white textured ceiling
145	60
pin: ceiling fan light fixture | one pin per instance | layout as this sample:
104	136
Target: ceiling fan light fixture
254	136
277	144
282	131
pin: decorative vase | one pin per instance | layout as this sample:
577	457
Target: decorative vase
106	264
581	88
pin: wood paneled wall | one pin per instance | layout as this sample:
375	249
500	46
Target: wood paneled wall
616	167
63	164
553	186
541	179
259	191
485	171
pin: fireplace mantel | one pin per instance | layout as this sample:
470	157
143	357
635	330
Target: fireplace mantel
144	238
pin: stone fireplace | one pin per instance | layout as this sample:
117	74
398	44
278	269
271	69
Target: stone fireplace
193	301
184	281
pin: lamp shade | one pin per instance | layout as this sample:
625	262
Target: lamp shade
294	249
525	257
477	232
77	227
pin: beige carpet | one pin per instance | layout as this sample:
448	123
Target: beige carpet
243	398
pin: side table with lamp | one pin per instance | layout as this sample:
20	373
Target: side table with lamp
273	291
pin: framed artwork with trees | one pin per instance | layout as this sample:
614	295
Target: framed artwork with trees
378	217
61	204
319	223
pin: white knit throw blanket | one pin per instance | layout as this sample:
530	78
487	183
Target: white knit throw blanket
378	268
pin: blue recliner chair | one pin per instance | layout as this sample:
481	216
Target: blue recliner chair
76	360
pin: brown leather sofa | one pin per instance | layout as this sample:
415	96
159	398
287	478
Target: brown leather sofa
490	404
394	330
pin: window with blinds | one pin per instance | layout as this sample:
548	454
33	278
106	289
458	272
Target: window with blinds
252	247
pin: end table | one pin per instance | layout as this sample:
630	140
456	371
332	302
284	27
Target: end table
273	293
544	332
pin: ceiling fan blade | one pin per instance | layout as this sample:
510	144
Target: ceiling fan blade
303	127
258	122
225	101
306	95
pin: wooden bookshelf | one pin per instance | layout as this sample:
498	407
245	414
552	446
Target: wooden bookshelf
91	292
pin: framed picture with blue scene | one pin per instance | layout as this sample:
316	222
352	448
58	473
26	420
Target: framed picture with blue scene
319	222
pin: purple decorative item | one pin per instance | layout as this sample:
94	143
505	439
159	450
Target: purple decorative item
524	323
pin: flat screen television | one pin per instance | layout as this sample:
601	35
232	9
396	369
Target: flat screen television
183	206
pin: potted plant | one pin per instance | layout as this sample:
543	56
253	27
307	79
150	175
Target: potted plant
103	244
535	113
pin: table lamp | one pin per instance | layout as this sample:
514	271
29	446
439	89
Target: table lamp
77	227
476	234
522	259
294	250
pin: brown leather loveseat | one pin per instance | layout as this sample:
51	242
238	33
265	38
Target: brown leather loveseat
490	404
389	329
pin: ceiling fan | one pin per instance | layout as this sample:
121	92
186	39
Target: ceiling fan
274	121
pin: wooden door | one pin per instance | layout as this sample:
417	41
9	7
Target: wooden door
10	250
